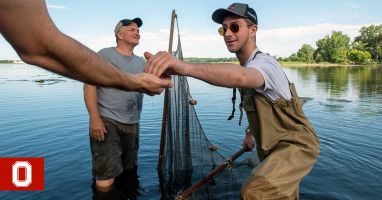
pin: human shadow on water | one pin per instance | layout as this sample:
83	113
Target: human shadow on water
125	187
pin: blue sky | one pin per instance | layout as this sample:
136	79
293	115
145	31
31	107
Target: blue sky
283	25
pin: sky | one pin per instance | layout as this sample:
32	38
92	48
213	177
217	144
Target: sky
284	26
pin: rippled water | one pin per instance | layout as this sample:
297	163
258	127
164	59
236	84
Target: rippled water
43	114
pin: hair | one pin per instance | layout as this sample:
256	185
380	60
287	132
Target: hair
116	35
250	23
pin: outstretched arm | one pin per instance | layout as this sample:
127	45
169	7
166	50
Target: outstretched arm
27	26
222	74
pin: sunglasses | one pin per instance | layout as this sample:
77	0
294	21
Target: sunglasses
234	28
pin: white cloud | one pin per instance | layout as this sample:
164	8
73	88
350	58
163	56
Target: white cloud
95	43
56	6
6	50
281	41
203	45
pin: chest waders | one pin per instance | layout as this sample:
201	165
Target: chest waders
286	144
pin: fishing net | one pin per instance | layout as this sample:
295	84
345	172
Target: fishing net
187	156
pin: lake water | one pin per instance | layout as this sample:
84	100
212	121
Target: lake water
49	119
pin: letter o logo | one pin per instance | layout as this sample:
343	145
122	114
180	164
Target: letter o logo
15	174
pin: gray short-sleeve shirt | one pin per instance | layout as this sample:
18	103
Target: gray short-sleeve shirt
276	83
124	107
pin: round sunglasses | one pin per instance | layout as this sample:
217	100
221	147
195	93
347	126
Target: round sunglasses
234	28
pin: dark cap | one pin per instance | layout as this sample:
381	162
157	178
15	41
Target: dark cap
239	9
125	22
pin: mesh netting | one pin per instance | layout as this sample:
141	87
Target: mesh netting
188	156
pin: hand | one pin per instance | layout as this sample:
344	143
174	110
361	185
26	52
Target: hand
153	85
164	63
248	142
97	129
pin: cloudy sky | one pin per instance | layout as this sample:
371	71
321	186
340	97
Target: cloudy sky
284	26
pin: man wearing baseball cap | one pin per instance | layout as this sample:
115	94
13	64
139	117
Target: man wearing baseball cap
286	142
115	114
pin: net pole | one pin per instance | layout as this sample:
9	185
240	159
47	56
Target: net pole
188	192
173	15
164	116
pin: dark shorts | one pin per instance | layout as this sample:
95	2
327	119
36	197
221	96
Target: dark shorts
117	152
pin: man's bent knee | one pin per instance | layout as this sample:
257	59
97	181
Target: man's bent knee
104	185
258	188
250	190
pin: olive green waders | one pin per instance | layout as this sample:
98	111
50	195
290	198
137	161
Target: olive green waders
286	144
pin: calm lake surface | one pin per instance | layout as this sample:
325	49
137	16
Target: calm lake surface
49	119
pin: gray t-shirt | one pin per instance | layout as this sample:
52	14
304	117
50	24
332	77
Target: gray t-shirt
276	83
124	107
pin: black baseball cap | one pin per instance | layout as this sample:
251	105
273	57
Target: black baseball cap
125	22
239	9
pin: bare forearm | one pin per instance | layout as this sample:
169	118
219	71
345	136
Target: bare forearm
28	28
90	97
225	74
78	62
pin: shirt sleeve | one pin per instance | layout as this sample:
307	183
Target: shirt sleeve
276	84
101	53
270	71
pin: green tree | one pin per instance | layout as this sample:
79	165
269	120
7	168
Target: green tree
358	45
333	48
305	53
6	61
359	57
293	57
371	36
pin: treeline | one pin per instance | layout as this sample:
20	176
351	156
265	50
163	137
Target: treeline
6	61
210	60
338	48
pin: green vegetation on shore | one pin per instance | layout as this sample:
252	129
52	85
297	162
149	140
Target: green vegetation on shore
326	64
282	63
6	61
337	48
211	60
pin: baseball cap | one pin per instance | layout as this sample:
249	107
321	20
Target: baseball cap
125	22
240	9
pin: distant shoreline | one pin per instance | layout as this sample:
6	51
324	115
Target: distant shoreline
12	62
297	64
283	64
292	64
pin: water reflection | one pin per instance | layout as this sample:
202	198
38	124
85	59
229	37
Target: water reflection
367	81
28	73
343	103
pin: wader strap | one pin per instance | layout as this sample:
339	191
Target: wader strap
241	96
233	104
241	105
252	117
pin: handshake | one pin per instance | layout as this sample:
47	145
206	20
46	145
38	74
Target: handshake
158	71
